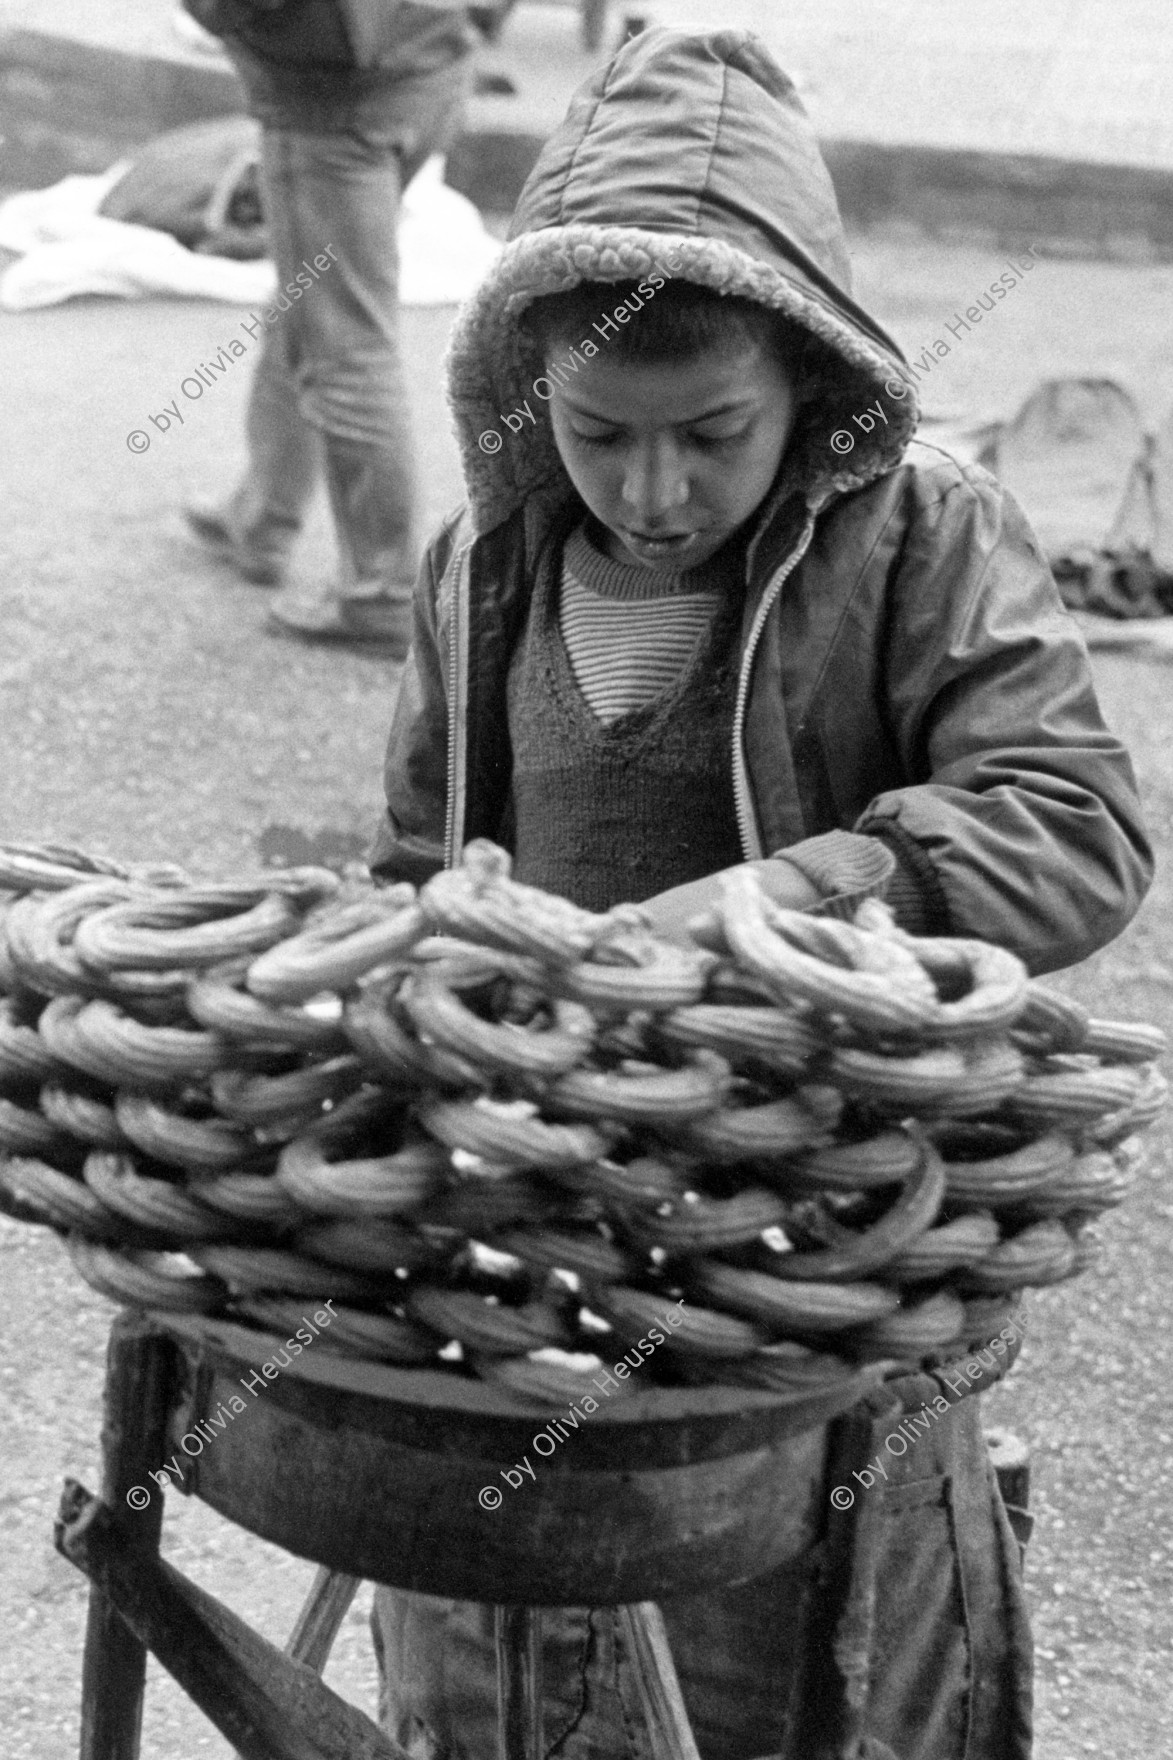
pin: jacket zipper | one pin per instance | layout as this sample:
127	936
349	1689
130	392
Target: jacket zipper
457	713
747	830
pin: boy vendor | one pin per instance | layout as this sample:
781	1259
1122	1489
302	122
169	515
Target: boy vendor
710	604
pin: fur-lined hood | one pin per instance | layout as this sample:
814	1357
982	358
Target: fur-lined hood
690	156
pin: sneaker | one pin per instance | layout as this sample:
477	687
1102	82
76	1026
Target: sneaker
210	528
374	622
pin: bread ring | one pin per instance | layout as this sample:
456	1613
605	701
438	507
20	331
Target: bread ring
380	1185
40	931
25	1059
589	1256
948	1080
154	1204
698	1224
99	1038
508	1138
164	934
697	1332
868	999
394	1056
1124	1041
338	946
1073	1096
249	1269
267	1102
217	1001
50	867
803	1308
480	1325
24	1130
881	1160
201	1145
441	1018
931	1324
90	1121
1003	1179
1042	1253
465	965
997	984
775	1039
874	1247
1049	1021
644	1182
663	1097
381	1337
36	1192
146	1279
250	1197
550	1376
1147	1106
479	902
790	1368
1091	1183
948	1247
637	971
775	1131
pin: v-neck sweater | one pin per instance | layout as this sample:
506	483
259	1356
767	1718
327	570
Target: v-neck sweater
610	810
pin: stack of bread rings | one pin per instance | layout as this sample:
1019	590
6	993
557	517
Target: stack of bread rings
504	1136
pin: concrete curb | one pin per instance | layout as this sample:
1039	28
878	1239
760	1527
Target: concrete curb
74	106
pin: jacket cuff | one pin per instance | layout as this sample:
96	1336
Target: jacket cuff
844	868
915	893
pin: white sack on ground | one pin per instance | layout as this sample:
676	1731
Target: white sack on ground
66	249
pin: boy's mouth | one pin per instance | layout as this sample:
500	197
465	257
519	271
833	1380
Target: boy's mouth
653	548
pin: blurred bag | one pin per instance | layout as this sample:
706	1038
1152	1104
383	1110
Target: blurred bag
201	184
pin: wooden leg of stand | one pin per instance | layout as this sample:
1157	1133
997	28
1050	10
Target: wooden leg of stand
140	1381
326	1606
312	1638
663	1702
519	1683
268	1706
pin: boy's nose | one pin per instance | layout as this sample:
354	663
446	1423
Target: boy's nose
655	482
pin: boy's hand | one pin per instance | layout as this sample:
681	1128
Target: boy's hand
672	911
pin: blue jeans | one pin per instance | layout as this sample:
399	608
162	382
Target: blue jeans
898	1633
328	394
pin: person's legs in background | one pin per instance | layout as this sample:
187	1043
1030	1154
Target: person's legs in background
330	390
256	527
335	197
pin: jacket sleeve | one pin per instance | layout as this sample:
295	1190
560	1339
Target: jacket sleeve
1022	824
409	844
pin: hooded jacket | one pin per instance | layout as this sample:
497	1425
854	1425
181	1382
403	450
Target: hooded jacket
907	668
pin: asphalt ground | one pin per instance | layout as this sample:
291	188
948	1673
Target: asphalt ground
146	715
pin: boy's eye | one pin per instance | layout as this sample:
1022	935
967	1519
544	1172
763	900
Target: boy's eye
718	437
600	437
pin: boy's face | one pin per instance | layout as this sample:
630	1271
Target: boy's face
673	456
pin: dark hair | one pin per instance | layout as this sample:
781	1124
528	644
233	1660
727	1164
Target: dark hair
677	321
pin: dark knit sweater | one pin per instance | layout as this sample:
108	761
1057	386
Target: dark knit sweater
621	811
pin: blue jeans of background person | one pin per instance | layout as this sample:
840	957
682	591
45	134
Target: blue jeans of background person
897	1632
328	394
